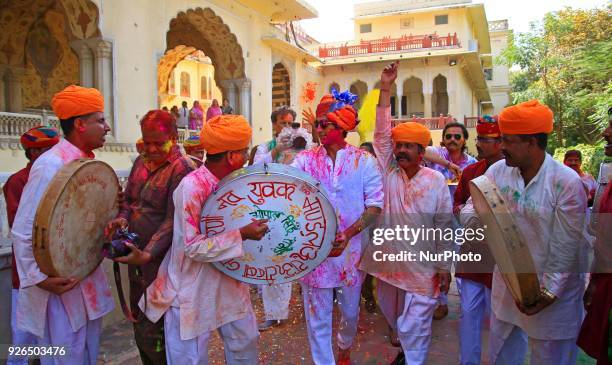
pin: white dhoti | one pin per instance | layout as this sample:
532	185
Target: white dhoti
81	346
475	304
20	337
414	327
276	300
239	341
508	346
318	307
390	301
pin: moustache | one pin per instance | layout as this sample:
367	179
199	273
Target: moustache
404	156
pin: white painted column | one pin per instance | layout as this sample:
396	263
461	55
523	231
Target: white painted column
245	99
399	84
86	66
103	75
14	78
230	93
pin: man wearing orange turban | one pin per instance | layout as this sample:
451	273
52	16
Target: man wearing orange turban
354	184
148	212
181	293
548	204
35	142
61	311
415	196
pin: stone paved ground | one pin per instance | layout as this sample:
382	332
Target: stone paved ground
288	343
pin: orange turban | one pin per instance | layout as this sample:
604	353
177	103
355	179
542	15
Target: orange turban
345	117
411	132
225	133
75	101
39	137
529	117
323	107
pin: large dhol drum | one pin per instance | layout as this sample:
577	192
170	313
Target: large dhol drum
506	241
69	225
301	221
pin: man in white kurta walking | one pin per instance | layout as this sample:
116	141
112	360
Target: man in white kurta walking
416	197
62	311
189	292
548	202
353	184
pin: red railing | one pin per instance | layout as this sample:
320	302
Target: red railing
405	43
438	122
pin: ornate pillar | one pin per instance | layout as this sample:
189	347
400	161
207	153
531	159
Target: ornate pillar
245	99
14	78
3	69
103	75
399	85
230	93
86	67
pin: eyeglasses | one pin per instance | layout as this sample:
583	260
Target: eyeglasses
455	136
487	139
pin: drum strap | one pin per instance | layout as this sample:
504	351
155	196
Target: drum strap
124	307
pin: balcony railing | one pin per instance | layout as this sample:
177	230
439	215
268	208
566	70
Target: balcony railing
15	124
438	122
406	43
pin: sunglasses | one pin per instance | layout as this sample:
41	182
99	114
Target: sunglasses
323	123
455	136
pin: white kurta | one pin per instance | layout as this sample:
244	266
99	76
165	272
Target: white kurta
550	212
422	201
88	300
186	279
352	183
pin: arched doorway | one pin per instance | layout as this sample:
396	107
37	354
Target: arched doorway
203	30
281	86
413	102
439	97
394	102
360	89
48	45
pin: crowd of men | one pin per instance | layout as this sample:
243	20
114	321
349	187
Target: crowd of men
178	298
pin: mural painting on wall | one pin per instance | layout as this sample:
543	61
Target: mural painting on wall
171	84
203	87
185	85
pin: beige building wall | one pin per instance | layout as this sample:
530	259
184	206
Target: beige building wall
195	70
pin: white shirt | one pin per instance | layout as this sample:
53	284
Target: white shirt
422	201
183	118
206	297
550	212
352	184
88	300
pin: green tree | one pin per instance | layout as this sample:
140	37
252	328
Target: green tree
564	62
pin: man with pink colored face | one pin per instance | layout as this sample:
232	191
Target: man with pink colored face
416	197
353	184
192	296
148	210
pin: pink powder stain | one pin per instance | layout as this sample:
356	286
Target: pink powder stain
90	294
158	288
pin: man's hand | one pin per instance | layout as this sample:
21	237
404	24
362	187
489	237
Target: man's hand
339	244
455	169
254	230
445	280
113	226
308	118
58	285
389	75
588	294
135	257
541	303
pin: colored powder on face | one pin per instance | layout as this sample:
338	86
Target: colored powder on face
166	147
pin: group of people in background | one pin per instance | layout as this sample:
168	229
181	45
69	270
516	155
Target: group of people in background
179	298
194	118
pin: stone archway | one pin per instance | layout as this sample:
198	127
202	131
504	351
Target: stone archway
439	97
204	30
413	101
281	86
47	45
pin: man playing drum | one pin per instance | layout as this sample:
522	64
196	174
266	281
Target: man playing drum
148	211
35	142
189	292
547	201
416	197
62	311
475	293
353	183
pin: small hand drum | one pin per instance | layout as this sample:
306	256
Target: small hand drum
301	220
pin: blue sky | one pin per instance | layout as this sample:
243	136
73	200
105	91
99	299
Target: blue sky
335	16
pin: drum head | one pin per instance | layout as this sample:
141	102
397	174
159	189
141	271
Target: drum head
505	240
69	224
301	220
